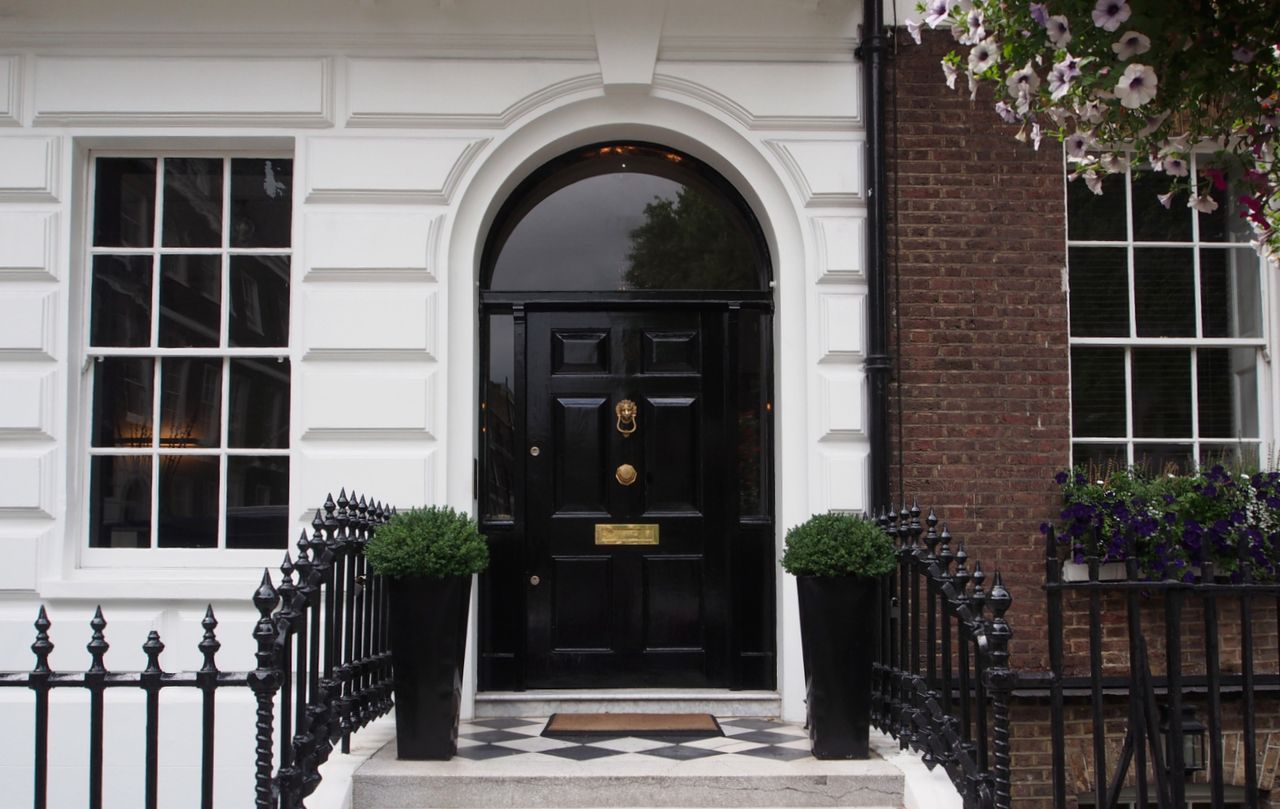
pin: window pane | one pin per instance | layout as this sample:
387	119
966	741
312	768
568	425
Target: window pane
1174	459
259	417
1230	293
190	301
1099	291
1162	392
1097	217
1217	226
1097	392
261	202
257	502
753	420
190	402
124	202
1227	392
259	301
500	420
626	217
120	501
1243	456
122	401
1152	222
192	202
120	314
1099	459
1164	292
188	501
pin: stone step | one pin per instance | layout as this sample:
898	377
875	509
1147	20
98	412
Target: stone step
651	700
506	763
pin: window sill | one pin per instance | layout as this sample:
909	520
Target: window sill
197	580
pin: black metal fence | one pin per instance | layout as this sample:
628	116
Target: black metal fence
941	676
1163	654
322	649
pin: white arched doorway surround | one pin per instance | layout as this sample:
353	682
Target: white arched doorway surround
527	145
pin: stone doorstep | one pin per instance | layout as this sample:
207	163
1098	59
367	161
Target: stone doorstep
537	780
656	700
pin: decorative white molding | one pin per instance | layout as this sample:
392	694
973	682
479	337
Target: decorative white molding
397	480
396	170
367	434
29	484
27	242
184	43
27	406
841	326
841	479
183	91
28	169
362	323
11	90
354	404
827	172
841	399
482	94
772	96
21	554
28	322
841	242
627	39
756	49
362	246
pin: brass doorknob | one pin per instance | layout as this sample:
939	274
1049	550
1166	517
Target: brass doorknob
626	474
535	581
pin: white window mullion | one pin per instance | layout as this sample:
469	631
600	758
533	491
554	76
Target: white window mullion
1195	406
1128	404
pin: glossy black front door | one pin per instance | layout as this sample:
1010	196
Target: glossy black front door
602	611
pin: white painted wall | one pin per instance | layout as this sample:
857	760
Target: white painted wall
409	123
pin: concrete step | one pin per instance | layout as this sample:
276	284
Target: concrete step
505	763
718	702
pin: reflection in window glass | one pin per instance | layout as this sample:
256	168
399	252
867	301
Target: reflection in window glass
500	420
1230	293
1161	392
1099	291
753	415
1097	392
208	433
1164	294
626	217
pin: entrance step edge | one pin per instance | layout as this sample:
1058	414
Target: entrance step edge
718	702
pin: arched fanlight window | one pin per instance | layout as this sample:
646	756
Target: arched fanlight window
622	217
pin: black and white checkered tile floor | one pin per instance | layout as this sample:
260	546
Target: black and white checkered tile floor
748	738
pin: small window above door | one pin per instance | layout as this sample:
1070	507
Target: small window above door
624	217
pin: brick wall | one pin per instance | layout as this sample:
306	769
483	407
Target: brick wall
977	250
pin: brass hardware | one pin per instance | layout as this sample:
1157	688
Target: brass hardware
626	413
626	534
626	474
534	451
535	581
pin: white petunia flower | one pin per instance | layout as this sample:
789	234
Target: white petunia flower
1036	136
1203	203
913	28
983	56
1243	55
1094	182
1137	86
1040	13
974	32
1078	144
1114	163
1022	81
1006	113
1131	44
949	71
1059	31
1061	76
1108	14
1166	199
1177	143
1091	111
1174	166
935	12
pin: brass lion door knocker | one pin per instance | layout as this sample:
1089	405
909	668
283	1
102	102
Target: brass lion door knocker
626	413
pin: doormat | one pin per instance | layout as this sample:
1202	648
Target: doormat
644	725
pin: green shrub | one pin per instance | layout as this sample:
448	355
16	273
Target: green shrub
434	541
838	545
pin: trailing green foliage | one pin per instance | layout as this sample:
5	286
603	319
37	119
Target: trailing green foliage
838	545
435	541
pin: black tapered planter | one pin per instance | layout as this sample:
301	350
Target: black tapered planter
428	640
838	621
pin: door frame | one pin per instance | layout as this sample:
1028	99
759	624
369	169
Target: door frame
752	662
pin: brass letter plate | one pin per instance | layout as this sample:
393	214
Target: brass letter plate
626	534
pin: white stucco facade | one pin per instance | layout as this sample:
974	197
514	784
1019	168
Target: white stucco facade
408	124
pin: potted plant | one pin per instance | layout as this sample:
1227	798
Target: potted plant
838	561
428	556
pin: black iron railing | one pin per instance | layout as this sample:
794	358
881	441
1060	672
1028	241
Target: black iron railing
322	649
941	676
1171	653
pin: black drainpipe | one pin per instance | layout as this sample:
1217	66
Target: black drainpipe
872	51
